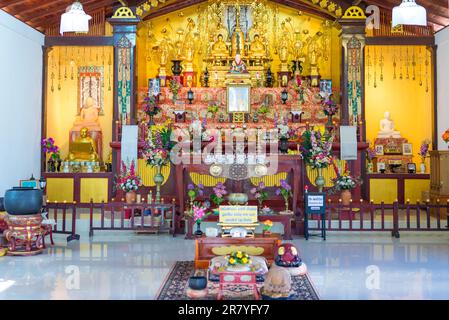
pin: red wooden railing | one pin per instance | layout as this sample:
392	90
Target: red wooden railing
59	211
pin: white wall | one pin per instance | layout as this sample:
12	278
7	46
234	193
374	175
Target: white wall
20	101
442	40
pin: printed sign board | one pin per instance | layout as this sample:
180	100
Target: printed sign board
238	215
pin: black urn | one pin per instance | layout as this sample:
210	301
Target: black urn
23	201
197	283
176	68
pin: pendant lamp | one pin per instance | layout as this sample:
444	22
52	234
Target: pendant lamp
75	19
409	13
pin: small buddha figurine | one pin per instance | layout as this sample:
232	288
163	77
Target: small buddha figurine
238	66
277	285
83	148
257	48
387	127
88	117
219	48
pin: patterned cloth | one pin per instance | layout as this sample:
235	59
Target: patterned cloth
176	284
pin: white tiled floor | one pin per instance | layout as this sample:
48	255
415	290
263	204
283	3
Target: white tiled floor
121	265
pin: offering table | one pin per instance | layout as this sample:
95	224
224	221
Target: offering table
284	219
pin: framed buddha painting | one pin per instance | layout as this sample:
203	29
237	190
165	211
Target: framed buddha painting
238	98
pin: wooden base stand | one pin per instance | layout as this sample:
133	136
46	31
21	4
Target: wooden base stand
25	235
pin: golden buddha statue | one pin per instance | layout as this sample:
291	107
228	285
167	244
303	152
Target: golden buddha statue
88	117
83	148
257	48
220	49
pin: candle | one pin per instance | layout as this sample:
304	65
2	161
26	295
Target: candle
138	198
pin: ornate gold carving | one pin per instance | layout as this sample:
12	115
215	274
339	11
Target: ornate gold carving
398	29
148	5
124	13
354	12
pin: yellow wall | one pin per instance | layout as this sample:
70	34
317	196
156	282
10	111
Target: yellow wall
62	103
409	103
148	67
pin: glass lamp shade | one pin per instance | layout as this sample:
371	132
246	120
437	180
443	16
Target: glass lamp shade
409	13
75	19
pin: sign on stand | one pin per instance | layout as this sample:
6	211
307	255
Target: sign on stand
315	204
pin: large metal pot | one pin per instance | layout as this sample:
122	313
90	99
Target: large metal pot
23	201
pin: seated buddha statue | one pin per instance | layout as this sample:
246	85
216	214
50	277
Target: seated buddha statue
219	48
387	128
83	148
88	117
257	48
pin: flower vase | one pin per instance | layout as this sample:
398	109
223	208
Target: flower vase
198	232
286	205
330	122
266	233
320	181
51	167
58	165
130	197
283	145
158	180
151	121
370	167
422	167
346	197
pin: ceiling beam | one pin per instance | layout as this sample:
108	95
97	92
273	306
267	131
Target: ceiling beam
49	9
11	3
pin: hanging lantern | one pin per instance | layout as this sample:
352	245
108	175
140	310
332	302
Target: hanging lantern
409	13
75	19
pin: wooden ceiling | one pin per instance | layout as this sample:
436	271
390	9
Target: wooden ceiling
42	14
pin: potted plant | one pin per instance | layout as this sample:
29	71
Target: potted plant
344	183
219	192
199	214
213	110
129	182
263	111
194	191
285	190
260	194
267	226
445	136
49	147
424	153
316	151
151	108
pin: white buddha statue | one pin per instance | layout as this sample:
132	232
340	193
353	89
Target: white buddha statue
88	117
387	128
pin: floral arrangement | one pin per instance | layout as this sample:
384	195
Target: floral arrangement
263	110
424	150
317	149
267	225
212	109
301	88
157	148
175	86
195	191
128	180
48	146
151	107
259	193
238	258
285	190
446	136
330	108
199	214
371	153
344	180
219	192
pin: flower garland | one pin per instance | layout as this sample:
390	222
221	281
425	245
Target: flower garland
317	149
128	180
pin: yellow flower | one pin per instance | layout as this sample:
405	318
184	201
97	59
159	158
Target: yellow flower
239	255
232	261
245	260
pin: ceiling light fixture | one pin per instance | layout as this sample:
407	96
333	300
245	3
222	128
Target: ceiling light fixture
75	19
409	13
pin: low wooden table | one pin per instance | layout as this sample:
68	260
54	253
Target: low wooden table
284	219
204	247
